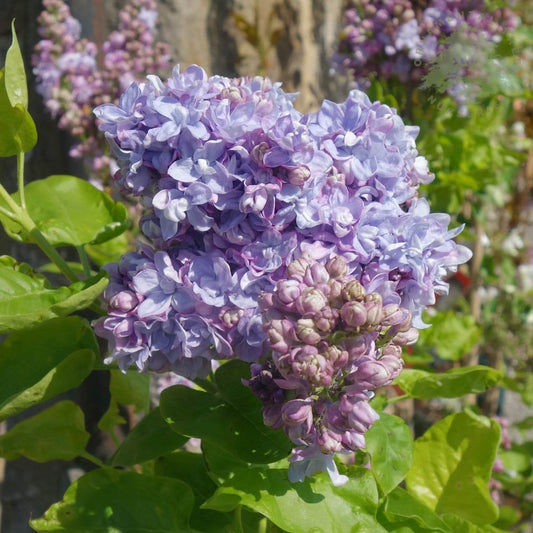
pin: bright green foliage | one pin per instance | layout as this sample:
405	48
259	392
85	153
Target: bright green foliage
70	211
150	438
17	129
390	445
451	384
15	81
230	418
313	505
451	335
56	433
39	363
452	466
401	510
27	299
109	500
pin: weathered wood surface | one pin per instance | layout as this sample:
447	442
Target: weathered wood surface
287	40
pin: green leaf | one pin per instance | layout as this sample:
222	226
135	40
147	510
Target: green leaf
131	388
126	388
452	466
70	211
313	505
460	525
26	298
450	336
220	463
66	375
451	384
231	418
191	469
150	438
17	129
114	501
41	362
110	251
401	507
56	433
390	445
16	85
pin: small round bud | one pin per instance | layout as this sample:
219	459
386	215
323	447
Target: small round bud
373	305
337	267
353	314
353	290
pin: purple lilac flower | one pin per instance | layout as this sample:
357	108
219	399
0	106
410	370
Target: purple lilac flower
401	39
72	82
333	344
294	242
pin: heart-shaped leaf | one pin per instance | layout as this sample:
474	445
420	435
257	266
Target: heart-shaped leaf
231	418
56	433
452	465
451	384
115	500
70	211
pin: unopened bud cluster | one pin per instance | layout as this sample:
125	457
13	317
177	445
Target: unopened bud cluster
333	343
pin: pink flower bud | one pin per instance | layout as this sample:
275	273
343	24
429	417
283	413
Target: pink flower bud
329	442
265	300
373	305
353	314
297	268
392	314
335	292
353	440
356	347
316	274
306	331
326	320
353	290
337	267
287	293
362	417
123	301
298	411
280	333
405	338
310	301
299	175
370	375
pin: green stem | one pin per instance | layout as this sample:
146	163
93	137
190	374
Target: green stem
84	260
21	216
237	519
20	179
40	240
92	458
8	213
398	398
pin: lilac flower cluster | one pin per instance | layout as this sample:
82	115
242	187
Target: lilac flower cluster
332	345
243	195
399	39
72	81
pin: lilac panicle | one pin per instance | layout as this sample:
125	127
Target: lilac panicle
321	384
72	80
294	242
400	39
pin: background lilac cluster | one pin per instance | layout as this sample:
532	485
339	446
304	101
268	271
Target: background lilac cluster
237	184
399	39
74	75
